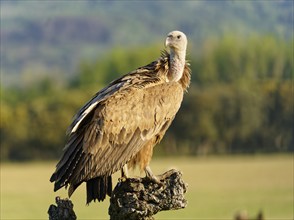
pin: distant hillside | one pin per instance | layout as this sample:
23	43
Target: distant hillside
39	38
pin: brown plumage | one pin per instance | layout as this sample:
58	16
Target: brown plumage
123	122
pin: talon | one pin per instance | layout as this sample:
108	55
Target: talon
151	176
166	174
122	179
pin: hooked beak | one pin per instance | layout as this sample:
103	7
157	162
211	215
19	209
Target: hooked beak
168	41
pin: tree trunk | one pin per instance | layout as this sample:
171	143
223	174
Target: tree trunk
63	210
135	199
140	198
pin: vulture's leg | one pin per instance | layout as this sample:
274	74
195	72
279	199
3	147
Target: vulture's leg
124	173
151	176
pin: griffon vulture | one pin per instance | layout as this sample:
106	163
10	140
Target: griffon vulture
121	124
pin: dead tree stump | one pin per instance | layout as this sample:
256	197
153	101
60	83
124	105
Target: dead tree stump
135	199
140	198
63	210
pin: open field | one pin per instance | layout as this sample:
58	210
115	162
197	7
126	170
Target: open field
218	188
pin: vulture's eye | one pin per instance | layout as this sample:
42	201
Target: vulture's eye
179	36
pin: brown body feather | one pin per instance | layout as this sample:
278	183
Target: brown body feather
121	124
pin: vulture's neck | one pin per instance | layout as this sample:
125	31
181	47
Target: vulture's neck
177	65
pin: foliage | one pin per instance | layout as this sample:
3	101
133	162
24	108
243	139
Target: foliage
240	100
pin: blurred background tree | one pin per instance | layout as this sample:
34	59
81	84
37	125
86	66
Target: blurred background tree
55	58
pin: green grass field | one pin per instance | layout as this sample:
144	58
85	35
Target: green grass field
218	188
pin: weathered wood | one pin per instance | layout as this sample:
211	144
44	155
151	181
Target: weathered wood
63	210
140	198
135	198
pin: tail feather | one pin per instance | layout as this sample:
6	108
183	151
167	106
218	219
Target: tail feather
98	188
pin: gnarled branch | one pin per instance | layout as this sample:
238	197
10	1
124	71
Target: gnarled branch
135	199
140	198
63	210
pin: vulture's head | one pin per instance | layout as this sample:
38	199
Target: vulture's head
177	41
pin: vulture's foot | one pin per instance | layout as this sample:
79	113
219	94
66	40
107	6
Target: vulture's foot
124	173
152	177
166	174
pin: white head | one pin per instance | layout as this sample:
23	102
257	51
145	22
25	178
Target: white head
176	41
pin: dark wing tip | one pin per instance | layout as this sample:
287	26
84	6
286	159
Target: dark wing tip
57	184
53	177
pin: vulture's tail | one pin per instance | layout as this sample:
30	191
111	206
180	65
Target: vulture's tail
98	188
